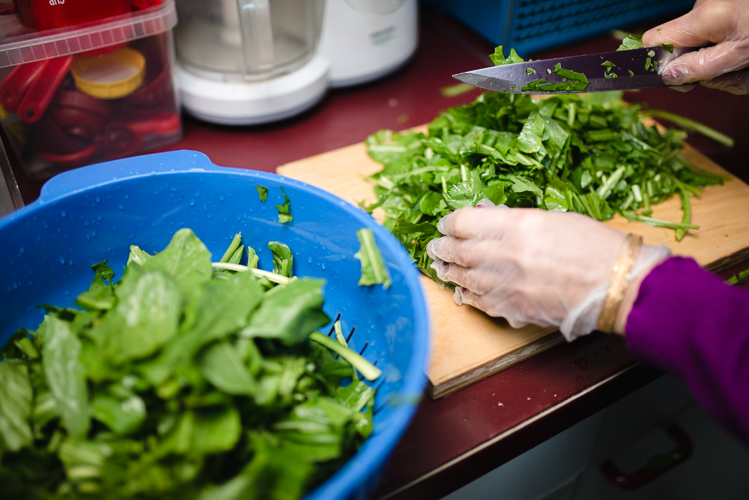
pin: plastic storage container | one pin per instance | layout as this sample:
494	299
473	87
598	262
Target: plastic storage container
76	95
98	211
530	26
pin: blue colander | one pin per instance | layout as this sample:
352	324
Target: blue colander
95	213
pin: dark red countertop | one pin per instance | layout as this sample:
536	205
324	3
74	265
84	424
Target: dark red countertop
456	440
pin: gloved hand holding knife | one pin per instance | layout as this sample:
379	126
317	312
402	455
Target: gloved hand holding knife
720	23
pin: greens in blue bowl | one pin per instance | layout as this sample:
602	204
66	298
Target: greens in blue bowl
171	205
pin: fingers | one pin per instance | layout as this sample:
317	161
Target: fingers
469	278
705	64
468	222
462	296
466	253
708	22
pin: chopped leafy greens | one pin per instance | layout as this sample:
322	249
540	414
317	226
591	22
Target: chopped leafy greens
186	379
571	80
284	209
498	58
630	43
738	277
262	192
586	153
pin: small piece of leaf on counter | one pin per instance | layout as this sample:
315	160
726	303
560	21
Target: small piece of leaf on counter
284	209
373	269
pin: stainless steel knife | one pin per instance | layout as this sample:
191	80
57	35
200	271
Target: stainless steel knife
605	71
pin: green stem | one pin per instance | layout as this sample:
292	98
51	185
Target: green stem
686	207
705	173
633	217
370	371
694	126
232	247
275	278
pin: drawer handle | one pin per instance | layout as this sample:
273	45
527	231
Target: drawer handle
655	466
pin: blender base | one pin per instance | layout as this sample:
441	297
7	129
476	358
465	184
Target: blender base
253	103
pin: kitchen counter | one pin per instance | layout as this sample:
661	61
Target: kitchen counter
456	440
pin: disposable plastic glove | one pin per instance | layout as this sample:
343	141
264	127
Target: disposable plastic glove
532	266
724	23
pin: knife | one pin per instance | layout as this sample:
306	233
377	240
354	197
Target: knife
601	72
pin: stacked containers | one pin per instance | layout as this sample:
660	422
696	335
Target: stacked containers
76	90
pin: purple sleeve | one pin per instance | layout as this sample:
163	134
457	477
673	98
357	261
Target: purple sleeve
687	322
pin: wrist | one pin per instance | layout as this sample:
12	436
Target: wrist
633	290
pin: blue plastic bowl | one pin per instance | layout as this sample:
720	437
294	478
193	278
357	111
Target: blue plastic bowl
94	213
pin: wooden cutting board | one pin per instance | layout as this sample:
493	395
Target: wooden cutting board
468	345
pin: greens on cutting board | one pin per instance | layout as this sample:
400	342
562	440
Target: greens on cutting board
186	379
587	153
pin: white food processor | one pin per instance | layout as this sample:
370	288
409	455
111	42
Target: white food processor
243	62
246	62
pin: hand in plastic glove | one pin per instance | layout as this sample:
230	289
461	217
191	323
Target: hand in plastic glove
532	266
724	23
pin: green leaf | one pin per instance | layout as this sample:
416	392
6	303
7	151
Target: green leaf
100	295
273	474
283	259
289	313
284	209
520	184
65	375
185	259
146	316
262	192
222	366
629	43
217	309
373	268
498	58
122	416
16	396
138	255
215	430
530	139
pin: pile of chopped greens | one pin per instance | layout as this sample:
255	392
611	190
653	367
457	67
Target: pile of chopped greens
186	379
587	153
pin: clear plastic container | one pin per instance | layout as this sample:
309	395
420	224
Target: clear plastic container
246	40
91	92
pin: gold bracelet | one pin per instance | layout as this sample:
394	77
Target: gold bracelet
619	282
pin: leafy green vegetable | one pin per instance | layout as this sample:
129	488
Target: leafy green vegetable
186	379
669	47
283	259
284	209
629	43
498	58
738	277
373	269
586	153
16	395
262	192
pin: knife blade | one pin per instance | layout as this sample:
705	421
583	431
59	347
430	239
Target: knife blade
603	72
